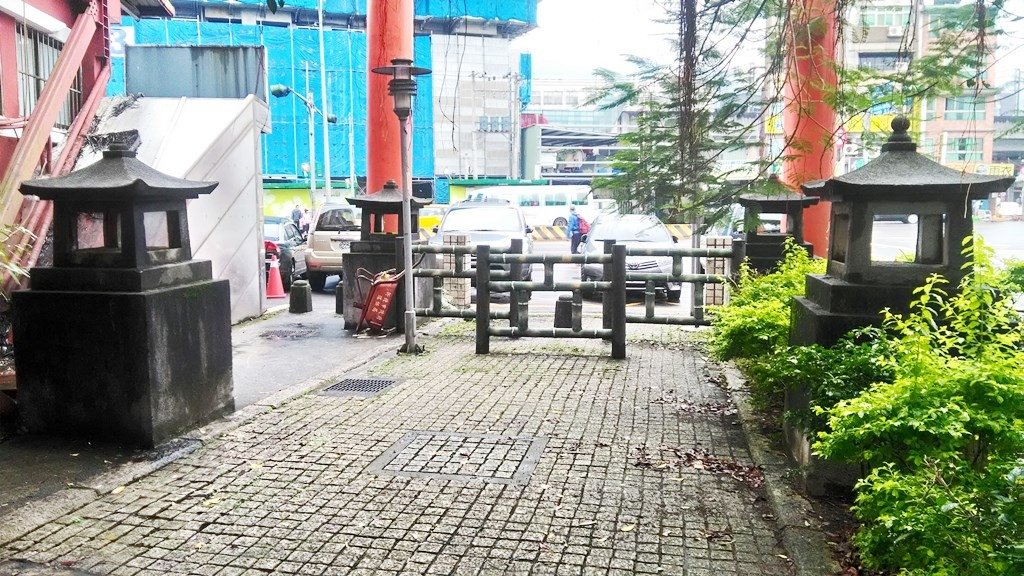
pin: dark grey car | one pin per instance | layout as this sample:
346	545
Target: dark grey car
281	238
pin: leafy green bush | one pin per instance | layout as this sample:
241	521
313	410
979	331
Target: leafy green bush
1015	274
945	438
828	374
755	322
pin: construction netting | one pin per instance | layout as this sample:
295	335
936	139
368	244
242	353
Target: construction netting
293	60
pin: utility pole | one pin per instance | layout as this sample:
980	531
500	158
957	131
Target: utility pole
324	110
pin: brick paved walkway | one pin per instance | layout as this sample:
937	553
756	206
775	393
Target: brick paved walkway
541	458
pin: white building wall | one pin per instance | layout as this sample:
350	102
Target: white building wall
473	77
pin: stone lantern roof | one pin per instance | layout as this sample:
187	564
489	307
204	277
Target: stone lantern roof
118	176
388	200
900	172
778	199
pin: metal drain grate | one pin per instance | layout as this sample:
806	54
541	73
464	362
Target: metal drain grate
364	386
449	456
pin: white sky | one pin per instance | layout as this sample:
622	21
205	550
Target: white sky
573	37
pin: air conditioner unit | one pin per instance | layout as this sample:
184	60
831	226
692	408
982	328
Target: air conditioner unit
851	150
895	31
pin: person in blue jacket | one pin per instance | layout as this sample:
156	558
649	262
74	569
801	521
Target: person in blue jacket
574	230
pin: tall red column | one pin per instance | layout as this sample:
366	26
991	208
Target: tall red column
808	119
389	28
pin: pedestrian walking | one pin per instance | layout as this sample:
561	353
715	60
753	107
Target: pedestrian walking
575	233
297	215
304	222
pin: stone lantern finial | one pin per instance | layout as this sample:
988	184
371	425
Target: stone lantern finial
900	140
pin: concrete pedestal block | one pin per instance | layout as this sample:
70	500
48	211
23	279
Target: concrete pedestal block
133	368
300	298
563	312
818	476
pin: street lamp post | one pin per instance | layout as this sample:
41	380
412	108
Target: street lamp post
402	88
280	91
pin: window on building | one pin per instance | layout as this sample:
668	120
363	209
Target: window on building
551	98
964	149
572	99
37	55
964	108
882	61
885	15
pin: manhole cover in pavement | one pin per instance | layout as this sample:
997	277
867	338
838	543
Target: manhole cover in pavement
365	386
290	333
448	456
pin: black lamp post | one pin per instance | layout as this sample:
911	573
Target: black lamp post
402	88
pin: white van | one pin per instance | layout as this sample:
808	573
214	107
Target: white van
548	205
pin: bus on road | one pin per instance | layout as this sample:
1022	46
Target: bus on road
548	205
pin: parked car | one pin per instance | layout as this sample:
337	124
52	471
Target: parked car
430	216
495	223
281	238
334	228
632	230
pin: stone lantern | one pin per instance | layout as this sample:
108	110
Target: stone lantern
899	182
764	249
377	251
125	338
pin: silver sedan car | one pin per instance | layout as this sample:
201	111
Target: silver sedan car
633	230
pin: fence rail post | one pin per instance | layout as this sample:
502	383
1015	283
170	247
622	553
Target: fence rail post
618	298
739	254
606	299
483	299
516	272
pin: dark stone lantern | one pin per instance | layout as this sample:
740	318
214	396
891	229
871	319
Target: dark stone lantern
378	251
125	338
387	201
765	250
900	181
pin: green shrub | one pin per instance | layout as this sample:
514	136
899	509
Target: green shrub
829	374
1015	274
945	438
755	322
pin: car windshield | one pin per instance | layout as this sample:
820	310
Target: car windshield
338	219
271	231
645	230
483	220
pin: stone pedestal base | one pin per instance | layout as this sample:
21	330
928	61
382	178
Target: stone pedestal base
833	307
766	251
374	257
817	475
133	368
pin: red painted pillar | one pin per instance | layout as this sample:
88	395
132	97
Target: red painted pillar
389	27
808	119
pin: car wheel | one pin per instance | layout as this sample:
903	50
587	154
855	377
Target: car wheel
560	222
674	295
911	219
317	281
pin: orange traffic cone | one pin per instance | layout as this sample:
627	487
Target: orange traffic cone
275	289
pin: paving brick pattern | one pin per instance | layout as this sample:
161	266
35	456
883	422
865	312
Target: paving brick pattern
293	491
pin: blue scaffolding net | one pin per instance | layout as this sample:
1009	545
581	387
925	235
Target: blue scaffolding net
293	60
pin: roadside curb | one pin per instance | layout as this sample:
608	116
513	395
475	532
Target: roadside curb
35	514
800	534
